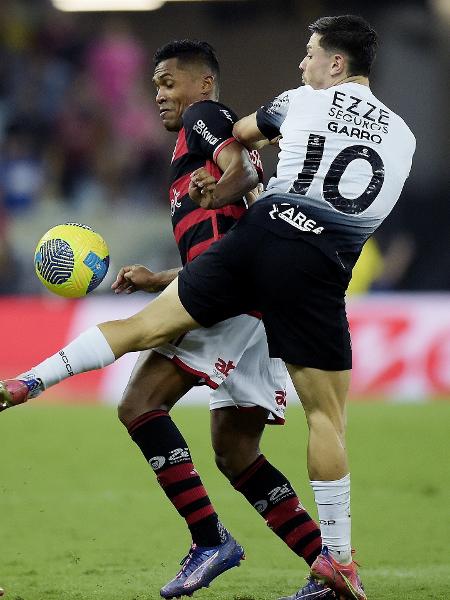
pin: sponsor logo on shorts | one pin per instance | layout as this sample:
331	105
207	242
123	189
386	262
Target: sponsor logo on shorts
295	217
179	455
157	462
224	367
280	397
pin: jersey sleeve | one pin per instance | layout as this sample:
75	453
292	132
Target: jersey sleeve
208	127
270	117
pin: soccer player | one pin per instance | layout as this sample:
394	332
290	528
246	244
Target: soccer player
344	158
231	357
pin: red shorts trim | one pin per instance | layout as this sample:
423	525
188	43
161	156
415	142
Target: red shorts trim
212	384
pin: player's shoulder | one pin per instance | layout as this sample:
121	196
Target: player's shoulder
208	109
400	123
306	94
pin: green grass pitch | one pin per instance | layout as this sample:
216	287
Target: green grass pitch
81	516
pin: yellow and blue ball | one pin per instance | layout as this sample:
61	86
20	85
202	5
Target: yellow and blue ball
71	260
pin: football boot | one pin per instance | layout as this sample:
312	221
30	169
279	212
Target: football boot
342	579
313	590
18	391
201	566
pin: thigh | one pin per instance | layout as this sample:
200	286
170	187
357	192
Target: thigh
304	313
322	391
217	284
156	382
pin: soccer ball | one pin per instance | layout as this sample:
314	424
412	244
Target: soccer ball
71	260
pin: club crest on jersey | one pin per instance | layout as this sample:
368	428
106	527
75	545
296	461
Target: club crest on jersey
295	217
174	202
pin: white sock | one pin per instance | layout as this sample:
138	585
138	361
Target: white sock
333	505
87	352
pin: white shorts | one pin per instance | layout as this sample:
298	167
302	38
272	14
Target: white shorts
232	358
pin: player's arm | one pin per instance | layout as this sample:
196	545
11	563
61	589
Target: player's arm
239	177
208	128
132	278
263	126
247	132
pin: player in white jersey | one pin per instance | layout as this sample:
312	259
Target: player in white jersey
231	358
290	256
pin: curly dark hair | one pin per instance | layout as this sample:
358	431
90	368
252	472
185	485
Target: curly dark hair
352	35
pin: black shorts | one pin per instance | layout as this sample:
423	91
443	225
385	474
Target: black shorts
299	291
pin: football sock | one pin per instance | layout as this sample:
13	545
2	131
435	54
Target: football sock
168	454
272	495
88	351
333	505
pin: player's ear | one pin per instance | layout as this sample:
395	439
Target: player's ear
208	85
338	65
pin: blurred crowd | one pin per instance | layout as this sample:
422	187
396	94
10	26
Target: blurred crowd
79	129
78	125
77	119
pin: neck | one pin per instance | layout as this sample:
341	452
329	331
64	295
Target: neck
360	79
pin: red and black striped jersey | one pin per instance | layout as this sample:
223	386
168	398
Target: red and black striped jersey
207	128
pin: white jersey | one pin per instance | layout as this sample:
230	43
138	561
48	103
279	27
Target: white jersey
344	156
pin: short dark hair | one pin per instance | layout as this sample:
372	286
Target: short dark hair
190	51
352	35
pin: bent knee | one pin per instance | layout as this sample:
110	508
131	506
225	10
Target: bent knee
233	462
225	465
134	404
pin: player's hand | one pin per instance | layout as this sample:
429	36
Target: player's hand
275	140
253	195
136	277
201	188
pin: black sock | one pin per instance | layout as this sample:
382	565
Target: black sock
271	494
168	454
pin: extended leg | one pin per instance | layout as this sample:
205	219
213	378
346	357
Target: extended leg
160	321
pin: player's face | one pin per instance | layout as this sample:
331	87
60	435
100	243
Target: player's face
317	65
177	87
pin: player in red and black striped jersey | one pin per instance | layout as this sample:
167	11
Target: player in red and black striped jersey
187	81
247	386
206	131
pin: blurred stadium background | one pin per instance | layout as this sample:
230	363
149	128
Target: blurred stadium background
80	140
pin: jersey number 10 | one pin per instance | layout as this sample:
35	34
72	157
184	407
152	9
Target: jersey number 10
314	154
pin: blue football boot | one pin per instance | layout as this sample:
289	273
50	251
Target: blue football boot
313	590
201	566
